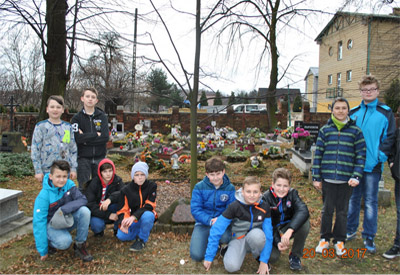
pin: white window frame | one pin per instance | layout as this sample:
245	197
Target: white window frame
340	50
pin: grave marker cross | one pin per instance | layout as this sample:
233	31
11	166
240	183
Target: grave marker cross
12	105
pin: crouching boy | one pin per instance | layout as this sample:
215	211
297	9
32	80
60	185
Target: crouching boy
251	229
289	218
60	208
138	214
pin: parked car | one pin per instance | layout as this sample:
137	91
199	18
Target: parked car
249	108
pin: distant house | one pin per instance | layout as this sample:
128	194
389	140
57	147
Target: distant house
353	45
311	80
280	94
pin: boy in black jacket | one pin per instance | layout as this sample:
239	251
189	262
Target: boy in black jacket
289	218
102	195
138	204
90	127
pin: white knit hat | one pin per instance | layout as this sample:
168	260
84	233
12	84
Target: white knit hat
140	167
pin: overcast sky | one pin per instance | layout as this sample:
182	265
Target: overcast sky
237	73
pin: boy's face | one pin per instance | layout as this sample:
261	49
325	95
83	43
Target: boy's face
54	109
340	110
89	99
216	178
59	177
281	187
139	178
369	92
107	174
251	193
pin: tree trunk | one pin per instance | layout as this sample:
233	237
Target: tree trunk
193	103
55	59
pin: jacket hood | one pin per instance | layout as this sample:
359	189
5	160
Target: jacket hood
225	181
106	160
240	198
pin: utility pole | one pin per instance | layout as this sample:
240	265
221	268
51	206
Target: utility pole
134	62
288	96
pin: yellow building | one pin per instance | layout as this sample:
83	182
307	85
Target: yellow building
311	80
353	45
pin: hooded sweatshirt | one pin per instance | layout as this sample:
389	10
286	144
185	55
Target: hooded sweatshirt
49	200
243	217
98	191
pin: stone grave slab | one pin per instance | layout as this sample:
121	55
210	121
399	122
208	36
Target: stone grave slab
302	161
182	214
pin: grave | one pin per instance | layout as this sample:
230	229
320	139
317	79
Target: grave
11	141
302	161
383	194
11	219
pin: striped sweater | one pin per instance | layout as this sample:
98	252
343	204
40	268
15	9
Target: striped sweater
340	155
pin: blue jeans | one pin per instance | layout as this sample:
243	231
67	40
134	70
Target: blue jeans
199	240
141	228
397	197
368	189
98	224
61	238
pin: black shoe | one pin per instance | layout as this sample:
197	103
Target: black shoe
294	262
222	249
51	250
115	232
99	234
392	253
138	245
81	252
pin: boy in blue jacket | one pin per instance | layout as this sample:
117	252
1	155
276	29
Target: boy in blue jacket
60	208
250	217
210	198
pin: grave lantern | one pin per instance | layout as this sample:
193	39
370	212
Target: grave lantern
160	149
174	160
255	162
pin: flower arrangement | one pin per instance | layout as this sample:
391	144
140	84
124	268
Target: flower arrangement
301	134
287	133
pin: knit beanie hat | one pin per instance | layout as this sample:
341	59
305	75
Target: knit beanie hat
342	99
140	167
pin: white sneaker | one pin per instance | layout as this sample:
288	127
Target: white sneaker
323	244
339	248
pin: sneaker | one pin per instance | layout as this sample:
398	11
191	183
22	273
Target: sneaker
222	249
99	234
81	252
323	244
138	245
339	248
370	245
294	262
351	236
51	250
392	252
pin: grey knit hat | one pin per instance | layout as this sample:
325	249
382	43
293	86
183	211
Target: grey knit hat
61	220
140	167
340	99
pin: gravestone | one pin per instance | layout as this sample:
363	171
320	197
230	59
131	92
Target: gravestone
11	218
11	142
383	194
302	161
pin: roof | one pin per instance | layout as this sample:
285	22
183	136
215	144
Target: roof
280	92
313	70
347	14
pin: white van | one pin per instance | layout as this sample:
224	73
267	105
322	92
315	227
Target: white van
249	108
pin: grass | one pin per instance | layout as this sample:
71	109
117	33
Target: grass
164	251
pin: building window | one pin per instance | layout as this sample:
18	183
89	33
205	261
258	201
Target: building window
339	80
340	50
330	79
330	51
348	76
349	44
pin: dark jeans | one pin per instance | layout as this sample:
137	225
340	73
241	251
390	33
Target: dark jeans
299	236
397	197
335	197
87	169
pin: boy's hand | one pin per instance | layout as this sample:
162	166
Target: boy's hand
213	221
72	175
282	247
353	183
128	221
207	265
43	258
391	164
317	184
113	217
263	268
285	239
80	131
39	177
104	205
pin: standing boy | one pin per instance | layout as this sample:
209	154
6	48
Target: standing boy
137	214
289	218
394	163
338	167
210	197
102	194
377	123
251	229
90	128
60	208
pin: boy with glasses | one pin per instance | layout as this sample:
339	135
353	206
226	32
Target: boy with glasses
378	125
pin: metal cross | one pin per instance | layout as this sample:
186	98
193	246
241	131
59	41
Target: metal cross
12	105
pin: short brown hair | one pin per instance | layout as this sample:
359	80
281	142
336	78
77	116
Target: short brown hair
57	98
251	180
60	165
368	79
92	89
214	164
105	166
282	173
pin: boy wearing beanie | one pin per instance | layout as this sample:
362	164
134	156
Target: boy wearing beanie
138	202
337	169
